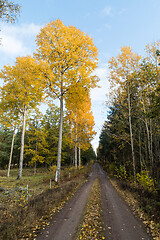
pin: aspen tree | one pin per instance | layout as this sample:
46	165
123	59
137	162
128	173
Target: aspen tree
81	119
69	57
22	91
122	67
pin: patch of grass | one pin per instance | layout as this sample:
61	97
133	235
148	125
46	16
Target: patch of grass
91	226
28	179
23	219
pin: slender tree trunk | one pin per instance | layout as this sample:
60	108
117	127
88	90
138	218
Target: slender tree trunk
22	145
75	148
79	156
157	152
140	151
35	168
35	164
10	159
75	155
124	163
131	136
57	177
151	148
149	137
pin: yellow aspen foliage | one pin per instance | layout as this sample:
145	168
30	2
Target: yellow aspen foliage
22	91
80	117
69	56
122	71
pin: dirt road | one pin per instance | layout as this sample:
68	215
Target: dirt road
64	224
119	221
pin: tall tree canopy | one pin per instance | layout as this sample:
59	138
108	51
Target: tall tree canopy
22	91
123	68
69	56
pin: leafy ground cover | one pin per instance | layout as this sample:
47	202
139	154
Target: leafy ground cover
23	213
91	226
144	203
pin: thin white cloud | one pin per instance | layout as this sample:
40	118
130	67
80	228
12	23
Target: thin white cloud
15	39
23	30
108	26
98	94
123	10
107	11
12	46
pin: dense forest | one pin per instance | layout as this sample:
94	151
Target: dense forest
41	143
130	139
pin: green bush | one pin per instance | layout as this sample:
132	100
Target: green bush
112	168
121	172
145	181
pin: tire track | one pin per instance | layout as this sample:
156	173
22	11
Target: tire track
119	221
64	224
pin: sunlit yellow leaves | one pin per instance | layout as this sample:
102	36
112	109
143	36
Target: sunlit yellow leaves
70	57
67	51
123	65
22	84
80	117
91	226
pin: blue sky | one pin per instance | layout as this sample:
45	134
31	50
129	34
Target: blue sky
111	23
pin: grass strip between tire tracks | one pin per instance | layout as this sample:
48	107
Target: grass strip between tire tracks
91	226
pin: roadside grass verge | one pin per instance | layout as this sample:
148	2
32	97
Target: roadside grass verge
145	204
91	226
22	215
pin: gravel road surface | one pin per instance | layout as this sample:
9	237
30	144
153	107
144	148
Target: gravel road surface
119	221
64	225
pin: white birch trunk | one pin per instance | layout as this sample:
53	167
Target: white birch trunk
10	159
149	137
57	177
151	146
75	148
22	145
35	168
140	151
35	164
131	136
75	155
79	156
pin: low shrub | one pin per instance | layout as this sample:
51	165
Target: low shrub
146	181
